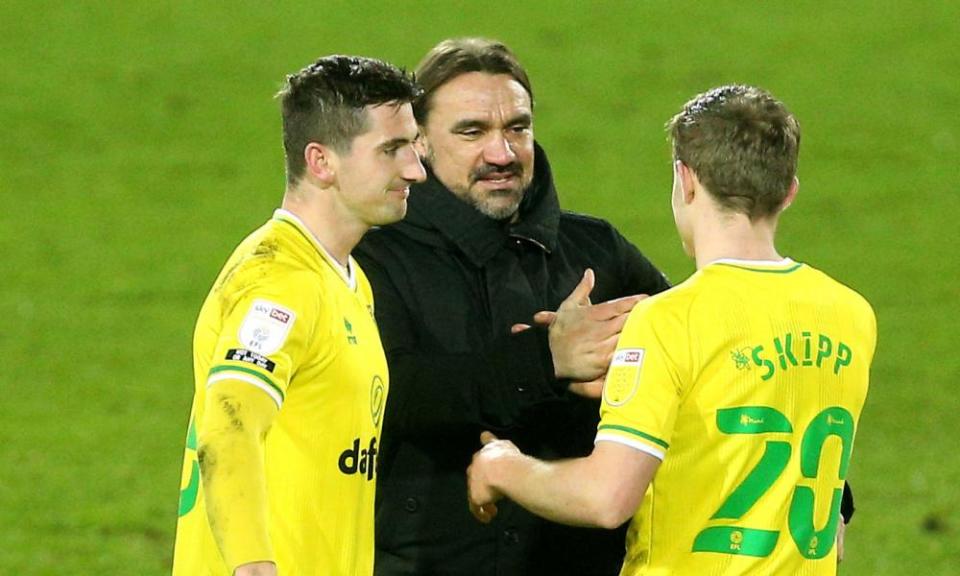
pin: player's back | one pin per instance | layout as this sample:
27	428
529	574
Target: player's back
770	364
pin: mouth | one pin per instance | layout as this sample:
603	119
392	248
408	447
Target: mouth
403	193
494	176
496	180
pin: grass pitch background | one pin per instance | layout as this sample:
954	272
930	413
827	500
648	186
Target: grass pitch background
141	143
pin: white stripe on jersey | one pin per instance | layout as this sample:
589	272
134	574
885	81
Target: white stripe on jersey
607	437
227	375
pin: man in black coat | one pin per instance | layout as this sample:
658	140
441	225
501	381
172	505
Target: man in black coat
462	289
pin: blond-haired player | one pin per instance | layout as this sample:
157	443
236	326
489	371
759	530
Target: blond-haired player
731	404
291	379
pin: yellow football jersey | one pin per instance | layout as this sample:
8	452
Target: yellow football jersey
284	317
747	381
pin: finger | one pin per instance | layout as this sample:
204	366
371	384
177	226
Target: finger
604	350
613	308
483	512
478	512
617	322
581	294
518	328
487	437
545	317
591	389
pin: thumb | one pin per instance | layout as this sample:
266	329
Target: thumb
487	437
581	294
518	328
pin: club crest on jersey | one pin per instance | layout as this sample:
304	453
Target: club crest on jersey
265	327
623	377
377	394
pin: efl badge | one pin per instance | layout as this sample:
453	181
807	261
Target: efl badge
623	378
265	328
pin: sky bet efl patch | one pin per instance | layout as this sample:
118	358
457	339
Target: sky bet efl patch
266	326
623	377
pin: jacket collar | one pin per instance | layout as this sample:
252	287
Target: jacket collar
432	207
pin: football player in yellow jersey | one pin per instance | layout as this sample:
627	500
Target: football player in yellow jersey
731	403
291	379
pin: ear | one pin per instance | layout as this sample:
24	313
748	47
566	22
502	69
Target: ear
791	194
321	163
688	181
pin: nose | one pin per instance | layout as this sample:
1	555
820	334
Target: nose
412	169
498	150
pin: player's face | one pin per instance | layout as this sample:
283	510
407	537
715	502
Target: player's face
374	178
479	141
680	217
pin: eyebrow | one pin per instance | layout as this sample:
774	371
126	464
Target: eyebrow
396	142
522	118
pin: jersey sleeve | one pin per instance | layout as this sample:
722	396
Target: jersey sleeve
266	333
642	390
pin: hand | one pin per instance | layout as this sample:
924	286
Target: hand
256	569
841	530
481	495
583	336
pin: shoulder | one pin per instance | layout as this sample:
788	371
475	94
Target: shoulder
669	307
255	273
375	239
592	233
397	238
577	221
848	296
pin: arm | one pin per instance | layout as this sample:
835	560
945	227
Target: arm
603	489
236	419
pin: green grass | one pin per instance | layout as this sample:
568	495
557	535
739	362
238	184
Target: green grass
141	142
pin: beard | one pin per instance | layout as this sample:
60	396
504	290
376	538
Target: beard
498	203
495	203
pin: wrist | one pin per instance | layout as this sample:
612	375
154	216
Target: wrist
504	468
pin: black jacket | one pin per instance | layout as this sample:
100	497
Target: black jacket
448	283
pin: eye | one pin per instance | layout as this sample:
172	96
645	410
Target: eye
471	133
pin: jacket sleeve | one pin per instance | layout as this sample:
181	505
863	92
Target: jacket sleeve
433	391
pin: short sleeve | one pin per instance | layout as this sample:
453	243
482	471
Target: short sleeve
642	390
266	332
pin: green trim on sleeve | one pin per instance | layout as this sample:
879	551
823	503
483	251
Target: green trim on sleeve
635	432
260	376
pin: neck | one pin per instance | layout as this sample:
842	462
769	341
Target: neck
337	233
734	236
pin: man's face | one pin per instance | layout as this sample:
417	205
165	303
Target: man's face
374	177
478	140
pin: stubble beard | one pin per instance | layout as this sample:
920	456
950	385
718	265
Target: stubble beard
486	202
489	204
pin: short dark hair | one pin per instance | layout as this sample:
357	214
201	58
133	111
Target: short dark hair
326	103
456	56
743	145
